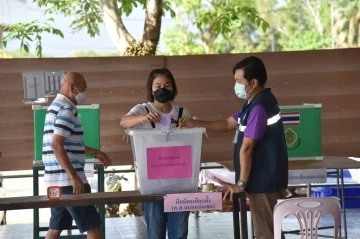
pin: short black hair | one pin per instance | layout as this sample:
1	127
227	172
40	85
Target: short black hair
153	74
253	68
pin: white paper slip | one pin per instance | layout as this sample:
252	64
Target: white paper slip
89	170
355	158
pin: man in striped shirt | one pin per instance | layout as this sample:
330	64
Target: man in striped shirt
64	158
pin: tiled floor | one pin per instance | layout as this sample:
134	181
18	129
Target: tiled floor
207	226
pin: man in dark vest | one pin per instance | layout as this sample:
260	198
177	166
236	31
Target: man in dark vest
260	155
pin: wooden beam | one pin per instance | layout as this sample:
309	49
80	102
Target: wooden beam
85	199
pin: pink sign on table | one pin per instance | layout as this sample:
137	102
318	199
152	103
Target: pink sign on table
193	202
169	162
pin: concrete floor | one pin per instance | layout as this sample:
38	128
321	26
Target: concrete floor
207	226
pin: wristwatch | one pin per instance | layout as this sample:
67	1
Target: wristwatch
241	184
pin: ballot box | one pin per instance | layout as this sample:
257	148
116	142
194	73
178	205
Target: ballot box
167	161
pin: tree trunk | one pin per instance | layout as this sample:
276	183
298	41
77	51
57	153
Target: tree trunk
118	33
152	26
316	15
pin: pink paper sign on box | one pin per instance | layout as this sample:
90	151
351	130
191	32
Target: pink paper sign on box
193	202
169	162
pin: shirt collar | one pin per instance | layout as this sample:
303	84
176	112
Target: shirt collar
63	97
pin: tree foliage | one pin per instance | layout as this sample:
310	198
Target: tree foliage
293	25
347	24
225	17
90	13
208	28
30	32
87	12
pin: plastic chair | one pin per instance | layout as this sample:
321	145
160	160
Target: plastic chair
308	212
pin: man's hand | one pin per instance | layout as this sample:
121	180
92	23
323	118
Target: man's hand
228	188
232	189
78	185
104	158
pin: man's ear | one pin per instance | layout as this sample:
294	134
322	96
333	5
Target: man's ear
72	88
256	82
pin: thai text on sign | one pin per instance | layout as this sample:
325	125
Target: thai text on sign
169	162
192	202
307	176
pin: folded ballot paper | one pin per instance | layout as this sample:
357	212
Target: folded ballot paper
165	122
209	175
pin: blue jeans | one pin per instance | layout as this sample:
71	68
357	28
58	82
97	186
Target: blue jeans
158	221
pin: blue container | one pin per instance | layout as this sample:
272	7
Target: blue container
346	172
332	191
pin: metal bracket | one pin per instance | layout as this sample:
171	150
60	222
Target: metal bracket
167	136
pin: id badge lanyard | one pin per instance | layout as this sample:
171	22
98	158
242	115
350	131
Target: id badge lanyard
237	131
241	115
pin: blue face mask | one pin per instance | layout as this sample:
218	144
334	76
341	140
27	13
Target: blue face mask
240	91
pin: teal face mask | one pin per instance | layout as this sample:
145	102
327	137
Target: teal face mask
240	91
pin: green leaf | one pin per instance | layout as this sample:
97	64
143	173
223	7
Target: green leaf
39	49
264	26
86	6
258	22
26	48
172	13
57	32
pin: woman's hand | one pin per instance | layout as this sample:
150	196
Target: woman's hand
186	122
151	117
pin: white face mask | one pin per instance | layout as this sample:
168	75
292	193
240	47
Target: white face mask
80	97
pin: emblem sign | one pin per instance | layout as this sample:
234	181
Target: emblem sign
291	137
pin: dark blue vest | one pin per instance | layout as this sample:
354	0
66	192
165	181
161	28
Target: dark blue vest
269	170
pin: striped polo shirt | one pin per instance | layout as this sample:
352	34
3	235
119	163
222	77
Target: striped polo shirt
62	119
